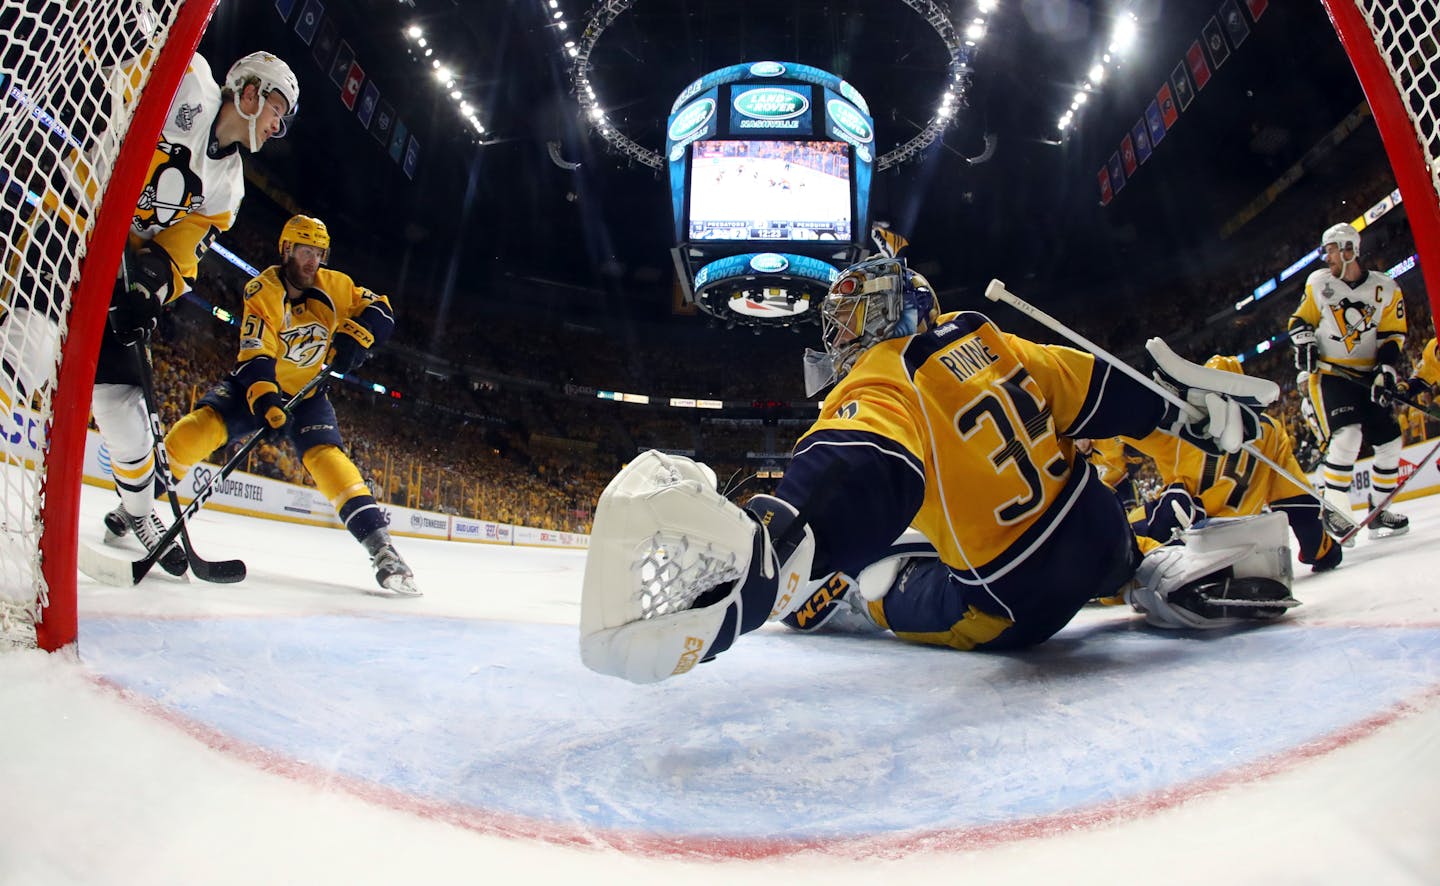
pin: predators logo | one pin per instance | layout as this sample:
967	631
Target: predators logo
305	345
171	192
1355	318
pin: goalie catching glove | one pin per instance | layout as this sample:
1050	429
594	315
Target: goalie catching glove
676	572
1220	414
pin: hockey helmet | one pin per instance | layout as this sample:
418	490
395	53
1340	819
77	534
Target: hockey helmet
1225	363
307	230
878	299
270	74
1343	235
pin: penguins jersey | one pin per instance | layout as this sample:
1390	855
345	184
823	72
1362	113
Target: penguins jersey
294	337
1233	485
1352	322
190	196
964	432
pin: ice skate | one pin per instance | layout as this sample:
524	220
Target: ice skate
1338	529
391	571
149	530
1387	523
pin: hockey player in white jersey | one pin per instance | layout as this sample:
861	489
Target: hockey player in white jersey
192	194
1349	332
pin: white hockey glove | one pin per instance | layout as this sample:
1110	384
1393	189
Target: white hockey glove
1220	414
1225	572
675	571
1302	337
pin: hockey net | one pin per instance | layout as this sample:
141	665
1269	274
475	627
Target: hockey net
84	88
1394	46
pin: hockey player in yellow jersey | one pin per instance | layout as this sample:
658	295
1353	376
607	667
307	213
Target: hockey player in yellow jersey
1349	333
300	317
946	424
1200	484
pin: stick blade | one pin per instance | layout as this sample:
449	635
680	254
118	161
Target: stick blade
220	572
107	568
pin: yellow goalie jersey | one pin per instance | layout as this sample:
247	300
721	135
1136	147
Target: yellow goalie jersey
1232	485
1429	369
297	334
985	419
1352	321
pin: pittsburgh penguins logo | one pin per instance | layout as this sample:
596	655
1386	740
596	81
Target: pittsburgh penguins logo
172	191
306	345
1355	318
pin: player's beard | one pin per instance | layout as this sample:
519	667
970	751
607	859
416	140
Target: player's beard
295	276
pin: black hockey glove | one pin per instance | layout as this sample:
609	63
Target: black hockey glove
135	310
1385	384
349	347
1302	337
268	406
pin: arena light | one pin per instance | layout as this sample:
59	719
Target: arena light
976	31
1097	74
414	32
1126	30
987	6
959	50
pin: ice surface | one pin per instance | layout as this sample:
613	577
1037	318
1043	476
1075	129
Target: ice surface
297	728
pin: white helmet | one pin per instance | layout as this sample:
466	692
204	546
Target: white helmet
270	74
1344	236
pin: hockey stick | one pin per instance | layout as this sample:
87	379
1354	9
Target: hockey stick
217	571
1359	380
1389	497
996	291
118	571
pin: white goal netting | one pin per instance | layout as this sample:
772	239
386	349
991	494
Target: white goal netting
72	73
1408	37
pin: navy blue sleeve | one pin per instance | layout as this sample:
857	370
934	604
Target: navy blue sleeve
1116	405
858	491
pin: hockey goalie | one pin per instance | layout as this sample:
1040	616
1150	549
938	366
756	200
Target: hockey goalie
946	424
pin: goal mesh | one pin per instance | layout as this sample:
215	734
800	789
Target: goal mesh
84	87
1394	46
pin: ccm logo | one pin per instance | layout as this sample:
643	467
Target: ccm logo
691	655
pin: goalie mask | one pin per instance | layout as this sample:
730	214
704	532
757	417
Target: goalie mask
1342	237
270	74
875	300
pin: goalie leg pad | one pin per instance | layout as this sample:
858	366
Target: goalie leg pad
675	572
1225	572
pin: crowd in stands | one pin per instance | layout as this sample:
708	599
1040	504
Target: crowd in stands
499	418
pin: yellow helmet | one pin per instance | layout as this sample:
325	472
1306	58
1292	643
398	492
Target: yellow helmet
1225	364
309	231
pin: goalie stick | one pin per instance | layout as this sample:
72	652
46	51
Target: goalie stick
113	570
996	291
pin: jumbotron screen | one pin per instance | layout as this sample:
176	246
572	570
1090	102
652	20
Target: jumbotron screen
770	190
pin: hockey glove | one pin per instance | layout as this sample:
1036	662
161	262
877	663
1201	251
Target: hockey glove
1385	384
1302	336
349	347
1220	414
135	310
267	405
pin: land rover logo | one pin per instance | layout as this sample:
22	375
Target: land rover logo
849	119
769	263
767	69
771	103
854	95
691	119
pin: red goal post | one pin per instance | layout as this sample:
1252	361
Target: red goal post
1394	46
86	87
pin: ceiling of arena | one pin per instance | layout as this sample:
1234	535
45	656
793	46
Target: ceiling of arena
1029	212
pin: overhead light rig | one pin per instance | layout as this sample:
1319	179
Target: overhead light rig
446	75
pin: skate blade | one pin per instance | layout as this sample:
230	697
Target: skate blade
1387	532
399	586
